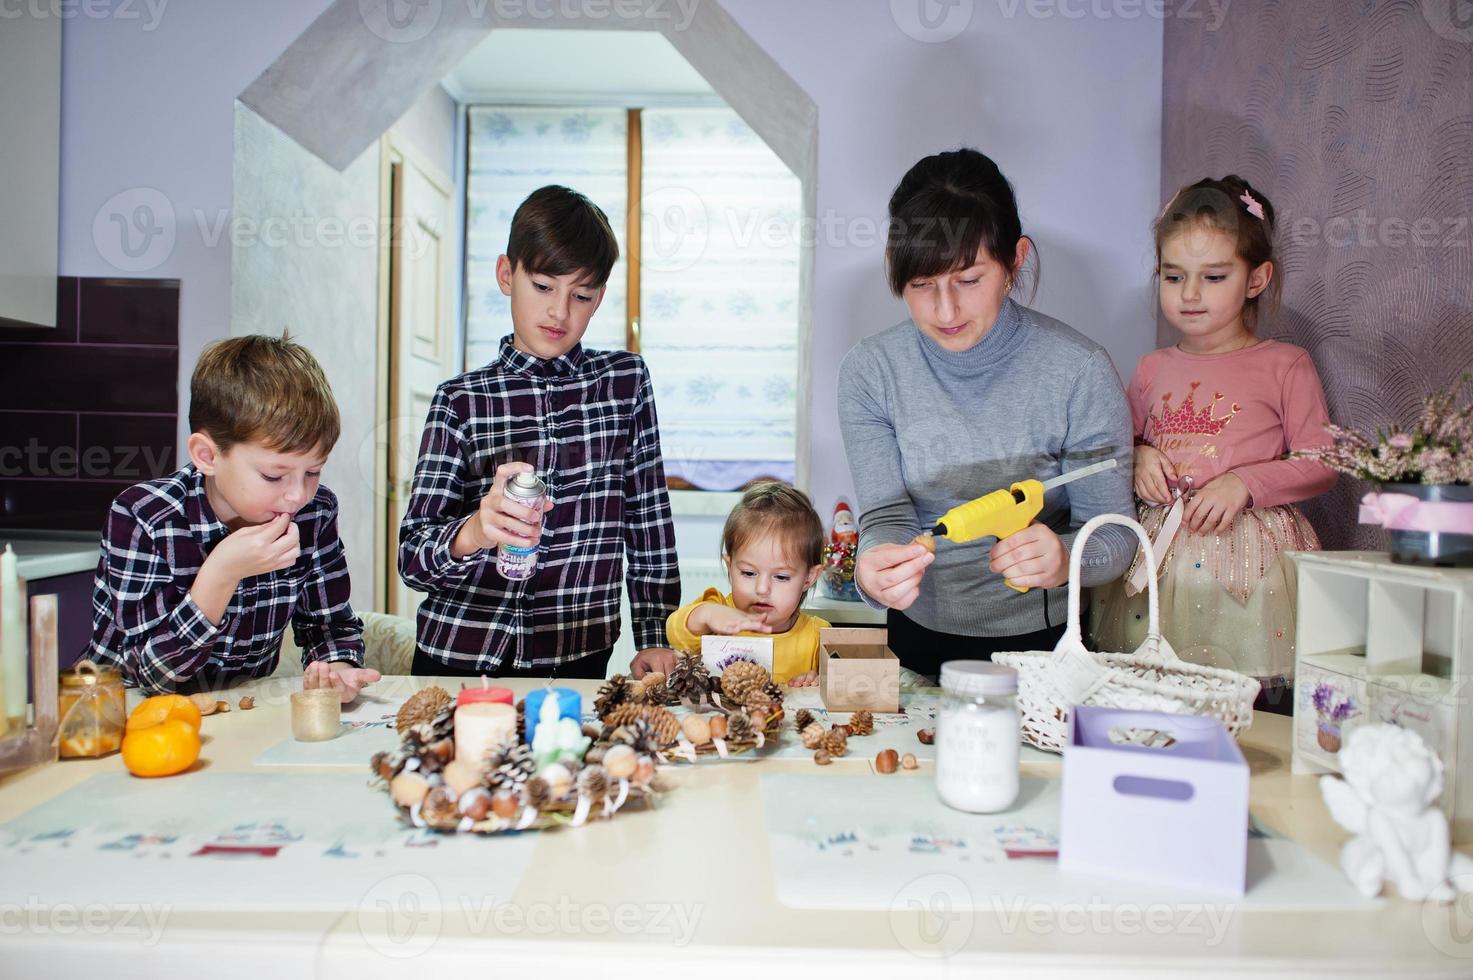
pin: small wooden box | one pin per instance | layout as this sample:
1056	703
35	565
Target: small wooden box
857	671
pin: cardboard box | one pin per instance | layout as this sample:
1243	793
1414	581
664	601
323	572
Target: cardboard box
1175	815
857	671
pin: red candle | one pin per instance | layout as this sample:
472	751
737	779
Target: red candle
485	694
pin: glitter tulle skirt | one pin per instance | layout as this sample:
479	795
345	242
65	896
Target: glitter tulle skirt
1227	600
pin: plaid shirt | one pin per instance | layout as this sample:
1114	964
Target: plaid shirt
586	422
157	537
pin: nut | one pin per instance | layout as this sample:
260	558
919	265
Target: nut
222	706
822	757
409	788
926	540
842	728
476	804
505	805
620	761
887	761
908	761
206	703
926	736
696	728
247	703
718	726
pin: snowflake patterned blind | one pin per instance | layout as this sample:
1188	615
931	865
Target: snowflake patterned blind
718	269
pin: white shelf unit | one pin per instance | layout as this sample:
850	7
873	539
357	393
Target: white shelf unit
1391	643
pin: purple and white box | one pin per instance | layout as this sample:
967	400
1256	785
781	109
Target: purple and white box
1154	797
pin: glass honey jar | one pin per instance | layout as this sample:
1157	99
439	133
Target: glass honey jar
93	711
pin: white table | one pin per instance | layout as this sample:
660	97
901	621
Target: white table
703	854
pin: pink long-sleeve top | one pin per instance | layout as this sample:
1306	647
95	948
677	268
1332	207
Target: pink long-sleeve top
1241	412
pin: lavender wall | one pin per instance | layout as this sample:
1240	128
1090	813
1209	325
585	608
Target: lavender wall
1070	107
1356	119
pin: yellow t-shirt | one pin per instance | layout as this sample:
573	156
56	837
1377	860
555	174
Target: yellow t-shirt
794	652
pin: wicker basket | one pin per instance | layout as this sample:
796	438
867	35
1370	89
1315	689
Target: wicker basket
1152	678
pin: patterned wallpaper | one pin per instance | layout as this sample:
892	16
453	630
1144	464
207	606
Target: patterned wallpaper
1356	119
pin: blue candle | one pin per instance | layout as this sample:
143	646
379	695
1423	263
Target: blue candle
569	702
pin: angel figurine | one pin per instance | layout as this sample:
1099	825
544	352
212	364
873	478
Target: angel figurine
1388	801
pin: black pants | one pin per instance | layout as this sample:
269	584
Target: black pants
924	650
594	666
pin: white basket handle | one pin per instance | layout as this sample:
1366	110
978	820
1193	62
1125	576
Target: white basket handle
1073	636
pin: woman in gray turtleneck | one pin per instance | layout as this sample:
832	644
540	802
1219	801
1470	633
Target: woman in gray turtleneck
972	394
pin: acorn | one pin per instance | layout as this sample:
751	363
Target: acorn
926	736
505	805
696	728
247	703
620	762
476	804
718	726
887	761
409	788
822	757
908	761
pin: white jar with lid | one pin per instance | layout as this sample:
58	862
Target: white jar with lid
977	736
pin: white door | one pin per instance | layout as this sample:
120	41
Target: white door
421	330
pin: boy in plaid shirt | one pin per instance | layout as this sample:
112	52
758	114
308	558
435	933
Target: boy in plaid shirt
202	571
584	421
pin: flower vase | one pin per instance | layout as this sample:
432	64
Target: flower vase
1328	736
1440	548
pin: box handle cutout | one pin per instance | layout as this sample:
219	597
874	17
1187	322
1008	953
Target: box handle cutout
1159	789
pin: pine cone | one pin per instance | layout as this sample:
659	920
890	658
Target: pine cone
443	725
612	694
421	708
739	728
508	767
803	719
638	735
522	720
536	793
690	679
812	735
773	691
834	743
861	723
652	689
742	680
439	809
593	782
665	726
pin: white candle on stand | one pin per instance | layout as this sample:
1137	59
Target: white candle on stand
12	639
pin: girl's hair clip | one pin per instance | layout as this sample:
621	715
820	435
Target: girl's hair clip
1254	207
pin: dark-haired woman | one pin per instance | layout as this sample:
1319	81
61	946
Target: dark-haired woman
971	394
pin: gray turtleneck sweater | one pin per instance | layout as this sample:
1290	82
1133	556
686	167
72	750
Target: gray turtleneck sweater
926	429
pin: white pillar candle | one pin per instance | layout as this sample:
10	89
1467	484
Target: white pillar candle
12	639
481	726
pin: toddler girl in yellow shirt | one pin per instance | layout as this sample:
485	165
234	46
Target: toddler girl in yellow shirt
772	546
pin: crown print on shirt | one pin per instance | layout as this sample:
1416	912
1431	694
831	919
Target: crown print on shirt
1186	419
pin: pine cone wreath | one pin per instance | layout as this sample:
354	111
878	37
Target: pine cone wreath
861	723
812	735
615	692
509	766
420	708
835	743
803	719
690	680
666	727
742	680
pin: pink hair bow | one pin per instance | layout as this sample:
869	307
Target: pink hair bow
1253	205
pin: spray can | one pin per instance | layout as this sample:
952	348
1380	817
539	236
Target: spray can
517	562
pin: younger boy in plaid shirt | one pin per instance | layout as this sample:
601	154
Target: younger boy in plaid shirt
202	571
584	421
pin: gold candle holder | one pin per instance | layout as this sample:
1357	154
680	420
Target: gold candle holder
317	714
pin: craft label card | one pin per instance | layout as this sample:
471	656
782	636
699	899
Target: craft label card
719	651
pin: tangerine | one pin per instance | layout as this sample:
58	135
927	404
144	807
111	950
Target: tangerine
162	708
169	747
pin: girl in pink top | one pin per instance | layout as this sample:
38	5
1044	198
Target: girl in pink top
1214	418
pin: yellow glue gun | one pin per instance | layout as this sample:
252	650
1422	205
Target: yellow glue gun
1003	513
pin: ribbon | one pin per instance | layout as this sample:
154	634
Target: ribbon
1160	544
1404	512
